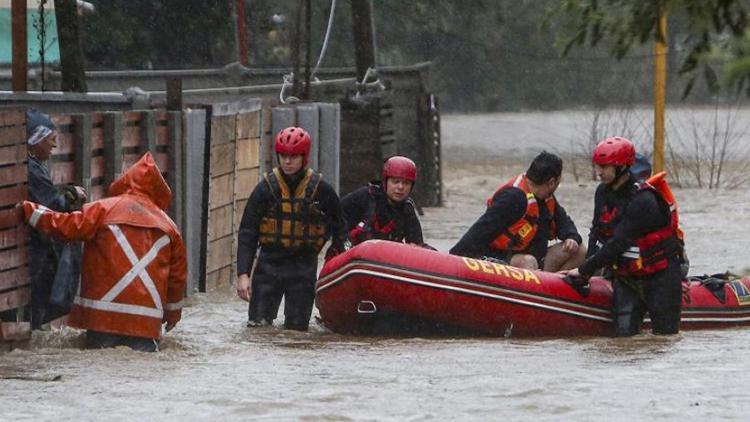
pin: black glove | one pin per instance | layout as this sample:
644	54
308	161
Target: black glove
336	249
684	264
579	284
72	200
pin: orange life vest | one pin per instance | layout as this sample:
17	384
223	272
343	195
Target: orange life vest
519	234
651	252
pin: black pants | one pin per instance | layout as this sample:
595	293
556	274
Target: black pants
99	340
290	277
660	295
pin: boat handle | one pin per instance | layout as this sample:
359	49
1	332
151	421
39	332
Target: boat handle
366	307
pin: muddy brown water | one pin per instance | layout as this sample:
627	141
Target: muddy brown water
212	367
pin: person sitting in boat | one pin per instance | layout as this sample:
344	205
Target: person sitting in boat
384	210
642	242
289	216
522	216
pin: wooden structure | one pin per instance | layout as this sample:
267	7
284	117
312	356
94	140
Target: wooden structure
15	288
225	147
234	168
84	158
364	138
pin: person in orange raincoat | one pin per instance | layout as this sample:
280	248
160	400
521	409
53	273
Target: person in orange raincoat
134	269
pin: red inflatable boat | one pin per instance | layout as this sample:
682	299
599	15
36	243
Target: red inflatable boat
382	287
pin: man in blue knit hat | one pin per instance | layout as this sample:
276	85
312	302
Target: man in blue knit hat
52	262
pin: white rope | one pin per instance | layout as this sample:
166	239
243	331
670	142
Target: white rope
288	81
289	78
364	85
325	39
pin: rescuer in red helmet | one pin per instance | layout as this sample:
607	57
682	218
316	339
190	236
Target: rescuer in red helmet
522	216
385	210
613	158
636	228
288	218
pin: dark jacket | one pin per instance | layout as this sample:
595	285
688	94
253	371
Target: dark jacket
645	213
42	190
358	205
55	265
508	206
609	209
259	202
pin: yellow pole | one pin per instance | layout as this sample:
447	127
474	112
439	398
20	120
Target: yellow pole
660	90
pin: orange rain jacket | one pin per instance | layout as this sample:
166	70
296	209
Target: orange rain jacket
134	269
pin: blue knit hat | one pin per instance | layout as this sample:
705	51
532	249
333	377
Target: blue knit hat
38	126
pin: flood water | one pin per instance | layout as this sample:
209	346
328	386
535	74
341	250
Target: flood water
211	366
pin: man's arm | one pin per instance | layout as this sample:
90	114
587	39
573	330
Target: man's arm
641	216
566	228
247	237
413	225
354	206
331	207
598	204
176	283
508	206
75	226
248	234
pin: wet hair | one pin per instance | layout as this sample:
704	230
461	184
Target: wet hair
544	167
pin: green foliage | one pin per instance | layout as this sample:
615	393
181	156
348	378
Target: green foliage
138	34
707	25
486	54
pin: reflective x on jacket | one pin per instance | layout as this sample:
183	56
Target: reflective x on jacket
134	269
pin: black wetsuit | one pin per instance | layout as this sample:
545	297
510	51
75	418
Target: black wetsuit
284	272
659	293
609	208
368	208
509	206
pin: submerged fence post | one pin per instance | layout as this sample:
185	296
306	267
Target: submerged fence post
112	147
177	167
82	136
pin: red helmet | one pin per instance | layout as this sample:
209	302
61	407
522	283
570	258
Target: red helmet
398	166
616	151
294	141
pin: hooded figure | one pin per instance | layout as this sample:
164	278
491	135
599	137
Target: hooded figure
134	268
